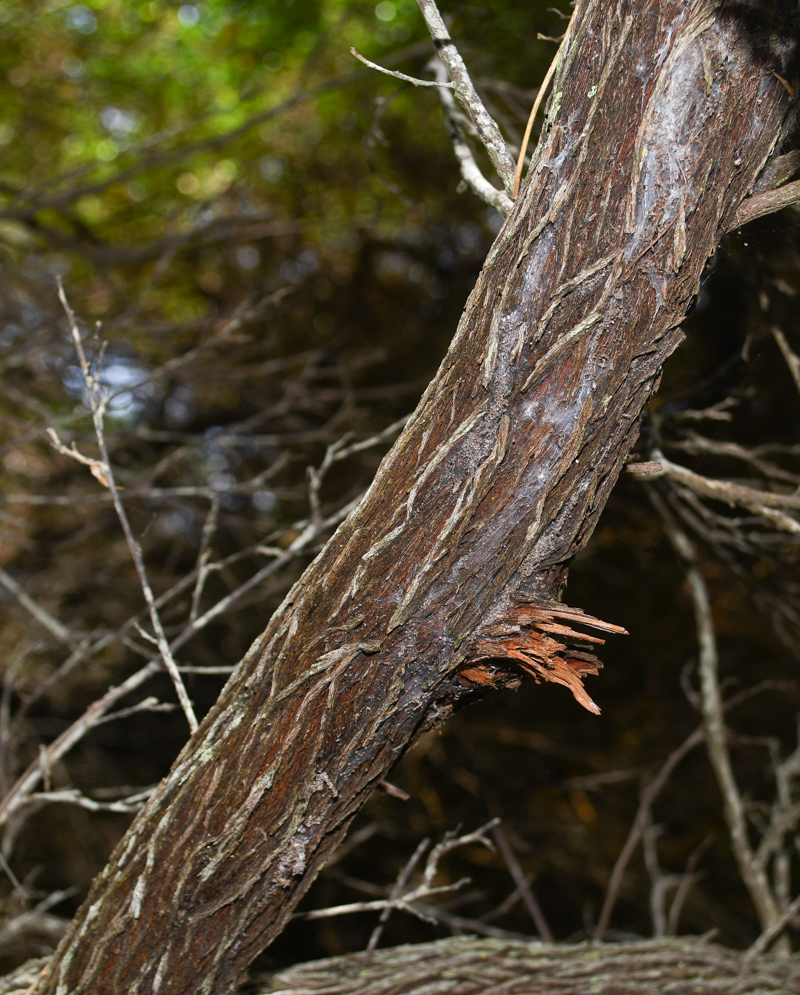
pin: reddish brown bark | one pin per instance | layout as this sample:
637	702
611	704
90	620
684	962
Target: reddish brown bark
663	114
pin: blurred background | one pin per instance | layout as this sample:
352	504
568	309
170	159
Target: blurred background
267	250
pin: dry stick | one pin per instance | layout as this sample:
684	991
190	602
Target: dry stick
488	131
635	834
53	626
761	204
523	887
650	794
660	883
94	715
309	533
203	570
772	932
470	170
535	110
397	890
688	878
309	529
754	877
425	889
402	76
97	405
792	359
767	504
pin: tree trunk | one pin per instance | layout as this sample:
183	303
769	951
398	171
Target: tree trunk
446	580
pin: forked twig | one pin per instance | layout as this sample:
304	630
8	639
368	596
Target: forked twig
409	900
488	132
102	470
753	874
535	110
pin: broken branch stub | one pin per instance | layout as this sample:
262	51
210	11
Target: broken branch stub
662	115
530	638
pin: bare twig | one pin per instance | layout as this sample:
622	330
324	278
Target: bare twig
523	886
753	875
335	453
791	357
772	932
203	556
768	504
488	132
651	793
72	796
409	901
397	890
53	626
765	203
660	883
636	831
688	878
51	754
470	171
398	75
535	109
104	473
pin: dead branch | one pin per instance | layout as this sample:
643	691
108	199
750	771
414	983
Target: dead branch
463	87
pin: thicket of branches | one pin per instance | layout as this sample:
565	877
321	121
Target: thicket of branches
270	237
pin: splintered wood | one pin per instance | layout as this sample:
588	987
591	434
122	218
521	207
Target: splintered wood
529	637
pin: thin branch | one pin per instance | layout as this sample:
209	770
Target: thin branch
688	878
488	131
53	626
772	932
94	715
408	901
105	474
651	793
309	533
767	504
791	357
204	554
397	890
71	796
470	171
753	875
523	887
636	831
397	75
765	203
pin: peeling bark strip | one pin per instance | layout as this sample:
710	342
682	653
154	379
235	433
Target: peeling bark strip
662	116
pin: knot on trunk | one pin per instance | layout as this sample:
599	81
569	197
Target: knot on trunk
535	637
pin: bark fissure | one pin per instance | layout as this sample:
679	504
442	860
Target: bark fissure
458	554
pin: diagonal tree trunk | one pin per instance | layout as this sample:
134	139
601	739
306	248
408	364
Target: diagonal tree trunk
446	580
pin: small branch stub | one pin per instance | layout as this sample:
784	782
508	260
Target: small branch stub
534	638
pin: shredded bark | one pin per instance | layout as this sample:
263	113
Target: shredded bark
466	965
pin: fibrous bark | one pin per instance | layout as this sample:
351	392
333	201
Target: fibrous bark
446	580
466	965
471	965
